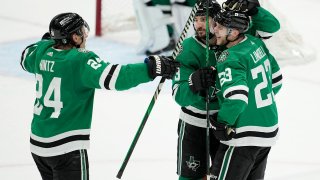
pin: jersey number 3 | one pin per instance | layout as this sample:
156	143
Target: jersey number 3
53	89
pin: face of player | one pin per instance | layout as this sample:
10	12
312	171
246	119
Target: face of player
82	39
221	33
200	26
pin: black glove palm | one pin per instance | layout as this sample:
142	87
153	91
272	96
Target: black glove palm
221	131
245	6
202	79
162	66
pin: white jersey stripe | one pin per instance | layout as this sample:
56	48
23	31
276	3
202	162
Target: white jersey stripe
60	136
104	76
277	84
112	84
62	149
276	74
233	88
241	97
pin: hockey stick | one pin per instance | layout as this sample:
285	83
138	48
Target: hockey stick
207	95
156	93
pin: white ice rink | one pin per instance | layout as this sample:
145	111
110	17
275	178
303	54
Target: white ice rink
117	115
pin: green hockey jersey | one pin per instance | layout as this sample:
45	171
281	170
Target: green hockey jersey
193	56
249	77
65	85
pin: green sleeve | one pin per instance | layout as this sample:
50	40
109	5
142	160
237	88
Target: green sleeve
232	79
97	73
131	75
33	53
28	58
276	74
263	21
181	92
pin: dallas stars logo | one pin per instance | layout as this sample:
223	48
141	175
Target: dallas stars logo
223	56
193	164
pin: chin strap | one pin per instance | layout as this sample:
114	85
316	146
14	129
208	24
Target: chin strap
228	33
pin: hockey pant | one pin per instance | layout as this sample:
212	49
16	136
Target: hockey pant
191	156
73	165
240	163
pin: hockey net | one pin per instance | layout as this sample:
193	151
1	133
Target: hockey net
116	15
286	45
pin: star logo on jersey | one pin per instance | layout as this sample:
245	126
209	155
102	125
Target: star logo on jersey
252	43
193	164
214	96
223	56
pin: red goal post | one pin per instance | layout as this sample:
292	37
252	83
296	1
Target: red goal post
98	17
114	16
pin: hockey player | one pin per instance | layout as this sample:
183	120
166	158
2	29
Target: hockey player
180	13
247	122
66	78
190	83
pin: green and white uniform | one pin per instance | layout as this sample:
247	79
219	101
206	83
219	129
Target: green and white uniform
249	77
193	57
66	83
191	156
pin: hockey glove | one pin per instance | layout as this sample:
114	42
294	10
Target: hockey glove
235	5
221	131
163	66
46	36
252	7
202	79
249	7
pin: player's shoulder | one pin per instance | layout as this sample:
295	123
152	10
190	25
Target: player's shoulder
45	43
83	53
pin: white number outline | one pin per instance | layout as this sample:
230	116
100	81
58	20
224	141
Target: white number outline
55	89
94	63
262	69
225	76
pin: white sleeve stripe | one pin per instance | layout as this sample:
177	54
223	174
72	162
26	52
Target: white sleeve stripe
276	74
241	97
174	90
104	76
277	84
264	34
233	88
25	52
112	84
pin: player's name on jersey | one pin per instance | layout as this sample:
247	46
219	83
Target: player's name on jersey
46	65
258	54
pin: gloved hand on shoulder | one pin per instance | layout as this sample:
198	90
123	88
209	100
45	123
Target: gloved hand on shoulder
249	7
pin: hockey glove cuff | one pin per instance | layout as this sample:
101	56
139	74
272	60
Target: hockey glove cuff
202	79
221	131
163	66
